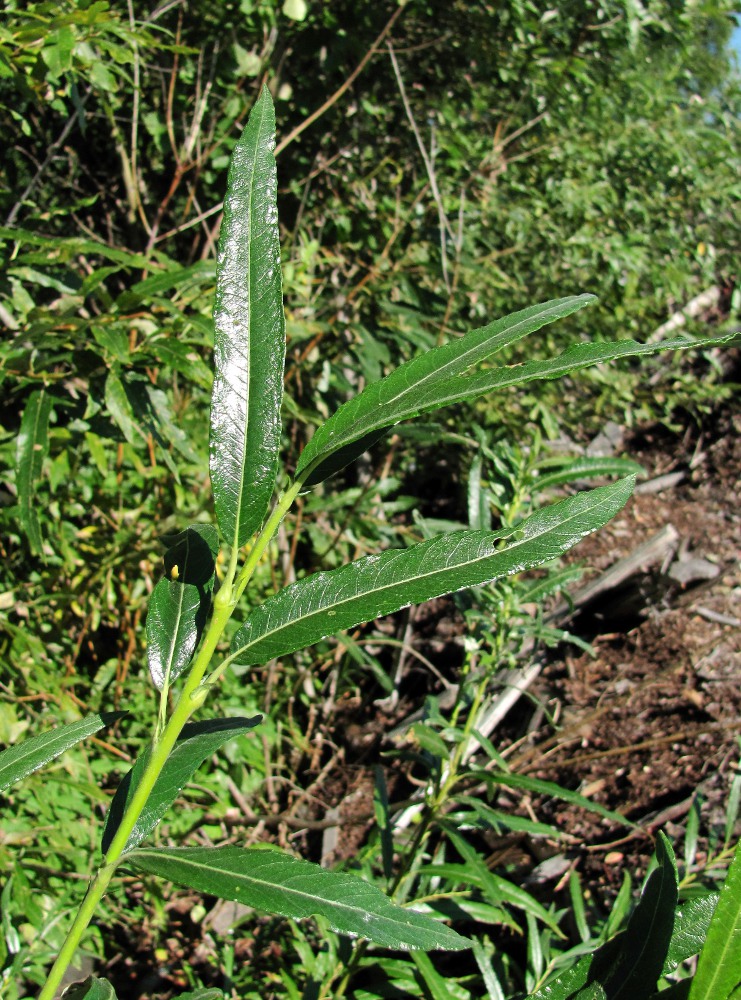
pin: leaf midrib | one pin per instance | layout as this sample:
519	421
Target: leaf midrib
495	536
248	356
262	882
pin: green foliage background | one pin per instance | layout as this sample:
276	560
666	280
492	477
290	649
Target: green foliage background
584	147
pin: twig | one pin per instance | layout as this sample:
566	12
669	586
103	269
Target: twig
445	227
343	88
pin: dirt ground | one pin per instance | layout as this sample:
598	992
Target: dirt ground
655	714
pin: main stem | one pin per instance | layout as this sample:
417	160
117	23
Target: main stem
191	698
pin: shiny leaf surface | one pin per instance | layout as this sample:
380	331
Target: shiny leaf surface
180	602
413	387
24	758
327	603
278	883
249	337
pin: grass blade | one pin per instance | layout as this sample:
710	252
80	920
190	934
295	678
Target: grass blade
327	603
249	335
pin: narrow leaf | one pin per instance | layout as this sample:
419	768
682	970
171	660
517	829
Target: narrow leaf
197	741
22	759
32	446
326	603
645	944
412	388
249	335
586	468
278	883
180	602
627	967
719	968
91	989
549	788
573	359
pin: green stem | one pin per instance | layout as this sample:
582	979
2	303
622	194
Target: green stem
191	698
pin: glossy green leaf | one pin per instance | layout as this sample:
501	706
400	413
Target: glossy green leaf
719	968
24	758
278	883
197	741
91	989
573	359
32	446
180	602
690	930
381	406
326	603
413	387
249	335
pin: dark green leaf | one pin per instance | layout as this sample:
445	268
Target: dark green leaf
690	929
197	741
573	359
290	887
22	759
413	388
628	966
326	603
719	968
249	338
396	398
180	602
645	944
91	989
32	446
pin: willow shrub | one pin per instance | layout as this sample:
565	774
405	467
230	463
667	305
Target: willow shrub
189	608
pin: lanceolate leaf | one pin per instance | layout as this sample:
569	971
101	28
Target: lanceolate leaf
22	759
574	358
197	742
645	944
411	389
179	603
408	391
719	968
32	446
249	337
327	603
290	887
